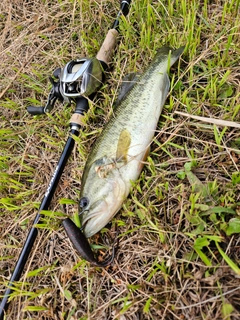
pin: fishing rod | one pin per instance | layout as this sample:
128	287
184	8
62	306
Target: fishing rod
76	82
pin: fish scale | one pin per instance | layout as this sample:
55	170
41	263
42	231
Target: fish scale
107	178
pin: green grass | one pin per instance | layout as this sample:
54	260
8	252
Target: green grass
179	228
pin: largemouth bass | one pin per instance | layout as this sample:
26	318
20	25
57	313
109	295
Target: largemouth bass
118	154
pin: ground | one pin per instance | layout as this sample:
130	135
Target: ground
179	248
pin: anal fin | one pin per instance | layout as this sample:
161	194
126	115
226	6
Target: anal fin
144	158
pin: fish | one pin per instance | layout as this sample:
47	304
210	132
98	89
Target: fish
118	154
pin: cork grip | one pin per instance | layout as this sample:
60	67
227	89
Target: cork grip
77	118
106	50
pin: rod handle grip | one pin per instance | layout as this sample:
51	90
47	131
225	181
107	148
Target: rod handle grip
106	51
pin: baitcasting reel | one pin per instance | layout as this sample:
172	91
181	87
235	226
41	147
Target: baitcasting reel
80	77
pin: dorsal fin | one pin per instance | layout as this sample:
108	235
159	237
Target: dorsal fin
128	83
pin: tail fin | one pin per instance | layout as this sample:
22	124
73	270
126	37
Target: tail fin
169	54
175	54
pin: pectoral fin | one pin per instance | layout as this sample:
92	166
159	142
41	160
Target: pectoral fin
105	165
124	142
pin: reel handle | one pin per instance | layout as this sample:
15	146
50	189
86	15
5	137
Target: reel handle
35	110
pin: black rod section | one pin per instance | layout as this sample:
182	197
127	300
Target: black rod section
44	206
124	9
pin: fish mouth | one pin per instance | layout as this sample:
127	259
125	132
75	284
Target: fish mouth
93	224
94	219
98	213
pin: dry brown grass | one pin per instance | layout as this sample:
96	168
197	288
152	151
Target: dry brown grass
159	223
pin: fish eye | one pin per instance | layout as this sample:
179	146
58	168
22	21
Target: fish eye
83	202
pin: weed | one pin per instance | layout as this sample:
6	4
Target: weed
179	229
